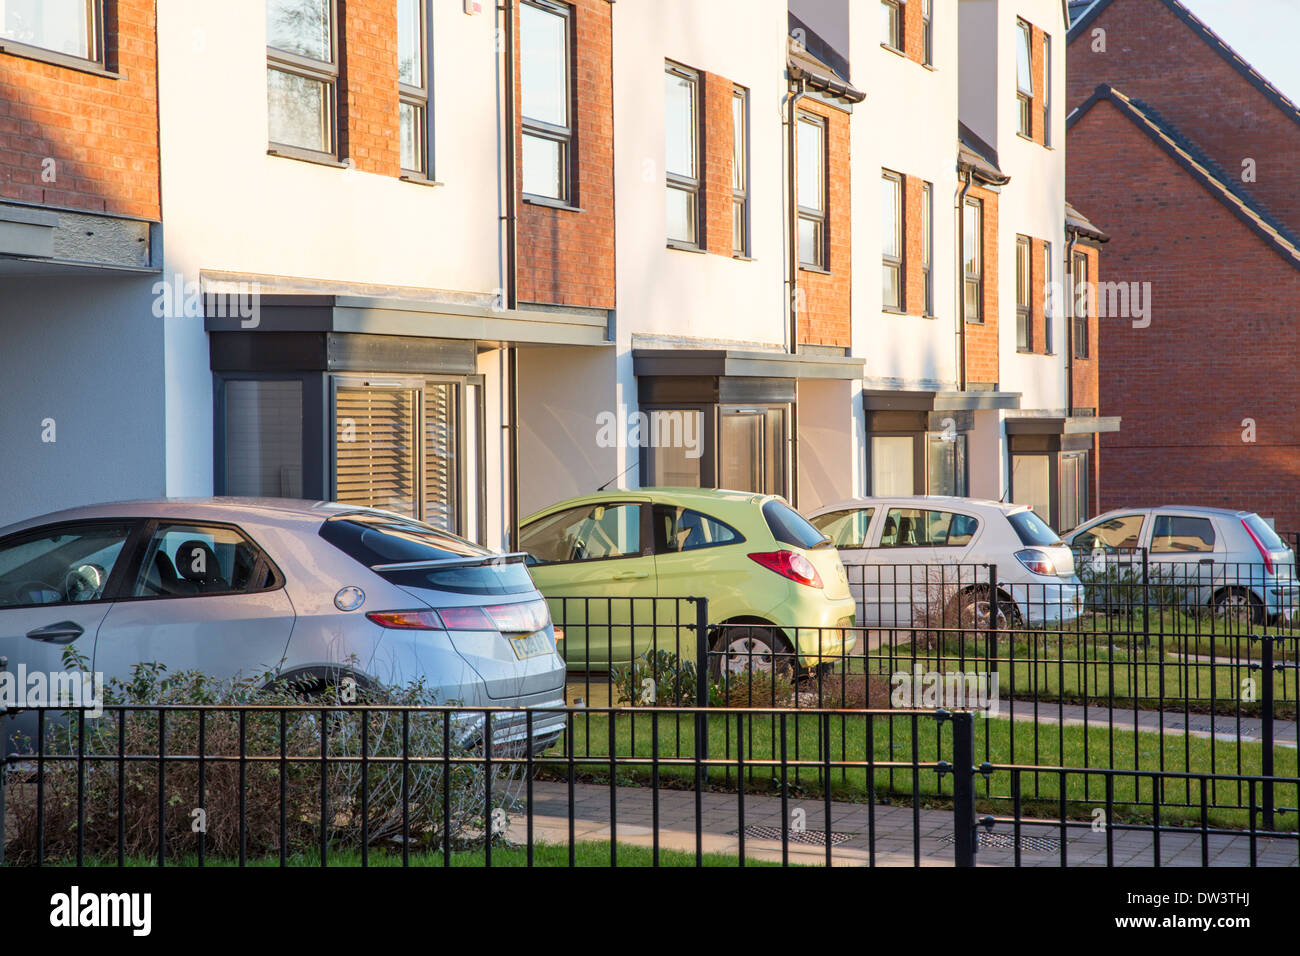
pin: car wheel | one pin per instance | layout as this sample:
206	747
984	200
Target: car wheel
744	649
973	608
1239	606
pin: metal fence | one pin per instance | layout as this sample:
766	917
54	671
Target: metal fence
308	785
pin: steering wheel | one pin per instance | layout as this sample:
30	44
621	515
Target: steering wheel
579	550
85	582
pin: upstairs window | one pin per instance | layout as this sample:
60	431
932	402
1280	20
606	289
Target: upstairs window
1083	305
1024	311
544	30
1049	299
67	27
927	247
739	172
927	32
973	267
1047	90
412	77
1024	77
891	24
681	152
891	232
302	76
811	135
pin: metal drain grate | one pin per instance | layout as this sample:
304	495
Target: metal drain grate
1005	841
802	837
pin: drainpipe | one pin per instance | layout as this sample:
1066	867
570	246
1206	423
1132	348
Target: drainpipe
511	290
961	282
796	93
1069	328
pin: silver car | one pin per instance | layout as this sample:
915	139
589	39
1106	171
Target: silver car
308	592
1230	561
916	559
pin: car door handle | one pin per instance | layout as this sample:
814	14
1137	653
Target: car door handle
65	632
631	575
1205	561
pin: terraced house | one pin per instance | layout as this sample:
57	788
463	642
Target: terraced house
1192	155
462	262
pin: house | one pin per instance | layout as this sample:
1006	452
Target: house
1188	156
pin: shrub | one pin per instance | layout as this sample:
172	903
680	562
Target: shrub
655	678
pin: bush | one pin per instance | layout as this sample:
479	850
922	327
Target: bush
655	678
445	801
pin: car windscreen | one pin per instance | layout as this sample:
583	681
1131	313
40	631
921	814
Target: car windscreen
790	527
1266	535
1033	530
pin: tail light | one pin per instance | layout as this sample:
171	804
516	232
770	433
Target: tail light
1263	551
522	618
1037	562
789	564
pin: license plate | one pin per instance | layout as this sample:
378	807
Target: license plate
531	645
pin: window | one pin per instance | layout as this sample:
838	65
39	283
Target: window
586	533
891	24
681	529
1024	311
1082	305
67	27
1121	533
847	529
302	76
681	124
1031	483
927	247
946	464
891	231
412	78
973	268
915	528
544	85
1049	299
190	560
1032	530
739	172
1047	90
441	477
1024	76
790	527
927	32
752	450
893	469
1175	534
676	451
1074	490
263	435
812	191
70	565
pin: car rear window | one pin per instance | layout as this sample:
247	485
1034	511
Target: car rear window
1033	530
1267	536
790	527
378	539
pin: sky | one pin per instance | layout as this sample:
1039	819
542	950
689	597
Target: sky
1263	32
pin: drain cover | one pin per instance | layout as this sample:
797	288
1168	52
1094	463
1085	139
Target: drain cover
1005	841
803	837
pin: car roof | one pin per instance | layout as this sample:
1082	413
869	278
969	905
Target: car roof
269	510
1184	509
698	497
920	501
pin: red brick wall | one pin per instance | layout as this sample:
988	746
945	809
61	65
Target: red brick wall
566	256
826	298
1037	296
1153	55
982	340
368	106
913	253
1220	346
717	147
101	133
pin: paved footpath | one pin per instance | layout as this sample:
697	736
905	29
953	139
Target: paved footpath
893	827
1228	728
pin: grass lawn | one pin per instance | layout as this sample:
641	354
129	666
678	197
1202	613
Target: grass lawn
862	749
590	854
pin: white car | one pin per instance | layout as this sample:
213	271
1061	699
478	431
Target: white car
913	560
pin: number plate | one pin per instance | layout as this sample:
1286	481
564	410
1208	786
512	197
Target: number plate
531	645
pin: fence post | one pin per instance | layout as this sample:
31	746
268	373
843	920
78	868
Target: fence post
1146	606
1266	728
4	766
963	788
701	677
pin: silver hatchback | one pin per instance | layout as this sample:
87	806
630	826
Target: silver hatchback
1230	561
304	591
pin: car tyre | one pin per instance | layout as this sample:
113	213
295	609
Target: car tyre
740	649
1239	605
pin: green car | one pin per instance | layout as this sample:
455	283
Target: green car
764	569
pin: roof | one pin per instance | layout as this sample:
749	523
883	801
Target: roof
820	48
974	154
1201	168
818	75
1080	224
706	497
1084	12
1005	507
272	510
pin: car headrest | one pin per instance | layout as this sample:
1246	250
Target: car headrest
197	562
